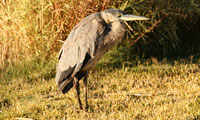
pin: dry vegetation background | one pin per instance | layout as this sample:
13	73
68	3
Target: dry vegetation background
154	74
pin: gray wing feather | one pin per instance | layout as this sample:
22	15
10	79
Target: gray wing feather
82	40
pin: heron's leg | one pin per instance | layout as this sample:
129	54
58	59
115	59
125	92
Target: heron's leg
76	85
85	91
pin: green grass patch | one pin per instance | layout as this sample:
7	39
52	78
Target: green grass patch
144	91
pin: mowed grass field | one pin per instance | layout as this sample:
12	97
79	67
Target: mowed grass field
156	91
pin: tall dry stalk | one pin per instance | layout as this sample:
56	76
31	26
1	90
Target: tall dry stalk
4	34
16	42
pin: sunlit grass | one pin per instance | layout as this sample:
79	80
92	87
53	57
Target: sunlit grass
155	91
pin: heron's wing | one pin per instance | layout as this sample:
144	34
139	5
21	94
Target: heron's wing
82	41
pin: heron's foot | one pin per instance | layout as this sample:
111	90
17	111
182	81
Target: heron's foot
86	108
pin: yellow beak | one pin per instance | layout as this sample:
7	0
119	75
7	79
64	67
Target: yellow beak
129	17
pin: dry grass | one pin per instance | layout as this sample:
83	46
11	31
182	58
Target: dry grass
24	31
151	92
31	29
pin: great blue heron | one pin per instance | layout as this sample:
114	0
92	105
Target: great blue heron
89	40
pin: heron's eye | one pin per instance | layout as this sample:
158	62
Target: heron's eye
119	15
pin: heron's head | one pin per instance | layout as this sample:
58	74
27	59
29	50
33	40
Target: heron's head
115	15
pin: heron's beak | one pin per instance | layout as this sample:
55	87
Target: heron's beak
129	17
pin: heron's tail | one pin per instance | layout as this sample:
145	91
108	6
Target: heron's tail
64	83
